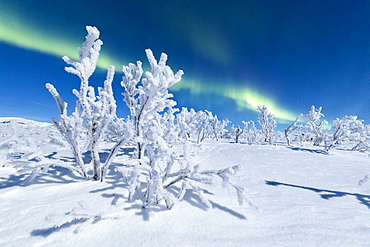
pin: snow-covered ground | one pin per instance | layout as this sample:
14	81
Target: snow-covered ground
304	197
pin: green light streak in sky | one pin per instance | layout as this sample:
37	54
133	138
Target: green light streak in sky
15	31
244	97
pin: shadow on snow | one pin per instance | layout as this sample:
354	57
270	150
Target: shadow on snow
315	151
326	194
54	175
48	231
59	174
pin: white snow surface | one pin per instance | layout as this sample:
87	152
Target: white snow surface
304	197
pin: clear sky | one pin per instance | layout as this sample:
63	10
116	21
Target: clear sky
287	55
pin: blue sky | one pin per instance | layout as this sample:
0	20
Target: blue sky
287	55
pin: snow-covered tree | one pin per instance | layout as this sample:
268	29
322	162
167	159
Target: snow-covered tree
313	119
203	127
186	121
343	128
267	123
147	97
217	126
361	139
158	166
290	129
93	113
151	107
200	125
252	134
238	131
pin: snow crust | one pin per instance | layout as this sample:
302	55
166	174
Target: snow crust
304	196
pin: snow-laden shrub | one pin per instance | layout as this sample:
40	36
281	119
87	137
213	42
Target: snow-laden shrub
344	128
186	121
217	126
200	125
361	139
158	166
238	131
84	128
313	119
203	126
147	97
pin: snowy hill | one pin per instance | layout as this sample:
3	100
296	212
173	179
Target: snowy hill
23	127
21	121
304	197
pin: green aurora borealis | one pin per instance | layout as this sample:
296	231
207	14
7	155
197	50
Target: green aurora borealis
247	53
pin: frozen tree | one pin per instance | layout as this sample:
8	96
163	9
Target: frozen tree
186	121
362	139
199	125
252	135
117	128
313	119
247	132
203	126
267	122
343	128
93	113
158	166
290	129
151	107
238	131
217	126
149	96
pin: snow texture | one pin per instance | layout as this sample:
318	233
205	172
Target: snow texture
303	197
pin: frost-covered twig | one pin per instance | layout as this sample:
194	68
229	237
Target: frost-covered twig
93	113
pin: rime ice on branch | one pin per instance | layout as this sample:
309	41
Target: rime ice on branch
96	110
151	128
157	165
267	122
313	119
